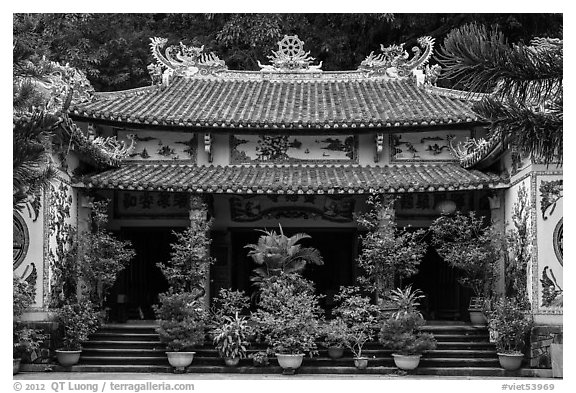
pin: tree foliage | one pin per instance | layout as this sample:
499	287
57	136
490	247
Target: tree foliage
524	82
112	49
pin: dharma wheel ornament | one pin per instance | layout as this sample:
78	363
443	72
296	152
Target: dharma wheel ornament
290	57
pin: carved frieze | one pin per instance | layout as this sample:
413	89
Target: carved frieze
293	148
424	146
309	207
153	146
145	204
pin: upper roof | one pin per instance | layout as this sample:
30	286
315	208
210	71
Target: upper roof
197	90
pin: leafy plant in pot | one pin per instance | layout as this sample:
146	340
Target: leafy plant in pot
401	331
26	345
388	253
468	244
182	321
277	254
359	316
230	339
289	316
77	321
510	325
25	341
335	333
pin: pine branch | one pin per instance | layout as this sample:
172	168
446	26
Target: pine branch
537	131
482	60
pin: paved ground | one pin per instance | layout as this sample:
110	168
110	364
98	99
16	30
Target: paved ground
220	377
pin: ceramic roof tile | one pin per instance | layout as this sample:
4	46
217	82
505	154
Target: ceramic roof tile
249	100
293	178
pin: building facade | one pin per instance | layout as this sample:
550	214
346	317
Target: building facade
294	145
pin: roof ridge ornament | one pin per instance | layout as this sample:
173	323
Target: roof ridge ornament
394	61
290	57
184	60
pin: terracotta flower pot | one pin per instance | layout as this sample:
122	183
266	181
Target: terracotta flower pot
15	365
287	361
180	360
335	352
68	358
361	363
478	318
510	361
232	362
406	362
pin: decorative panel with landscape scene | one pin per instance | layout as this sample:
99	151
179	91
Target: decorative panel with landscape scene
425	146
293	148
159	145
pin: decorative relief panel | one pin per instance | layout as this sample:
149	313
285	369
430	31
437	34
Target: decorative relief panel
144	204
424	146
20	240
549	242
293	148
154	146
254	208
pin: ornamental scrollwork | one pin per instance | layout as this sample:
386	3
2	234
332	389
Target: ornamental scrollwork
290	57
183	60
550	193
552	294
395	62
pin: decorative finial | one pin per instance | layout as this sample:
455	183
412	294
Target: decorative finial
394	61
185	60
290	57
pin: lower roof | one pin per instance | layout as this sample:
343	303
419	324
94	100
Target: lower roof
294	179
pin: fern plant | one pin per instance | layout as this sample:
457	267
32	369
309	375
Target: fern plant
277	253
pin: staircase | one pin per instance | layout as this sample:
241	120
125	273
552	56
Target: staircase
463	350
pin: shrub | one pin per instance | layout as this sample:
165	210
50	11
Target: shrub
400	332
77	321
468	244
230	339
510	324
388	253
26	343
288	314
335	333
182	321
227	304
358	315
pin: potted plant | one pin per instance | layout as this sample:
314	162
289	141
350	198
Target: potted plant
26	345
22	296
230	339
359	316
388	253
468	244
335	334
400	332
510	325
288	314
259	359
182	320
277	253
77	321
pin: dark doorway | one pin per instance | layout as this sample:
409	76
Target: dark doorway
337	248
140	283
445	299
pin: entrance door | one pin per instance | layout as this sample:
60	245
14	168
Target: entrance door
142	280
336	247
445	299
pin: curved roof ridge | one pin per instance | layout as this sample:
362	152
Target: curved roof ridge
453	93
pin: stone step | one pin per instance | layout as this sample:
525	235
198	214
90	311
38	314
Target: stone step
140	352
122	344
123	336
127	360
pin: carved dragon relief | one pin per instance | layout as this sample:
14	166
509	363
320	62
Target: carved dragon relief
394	61
184	60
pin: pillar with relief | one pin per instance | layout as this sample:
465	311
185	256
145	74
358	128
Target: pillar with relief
198	219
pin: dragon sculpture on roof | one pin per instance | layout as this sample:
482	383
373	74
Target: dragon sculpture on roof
185	60
395	62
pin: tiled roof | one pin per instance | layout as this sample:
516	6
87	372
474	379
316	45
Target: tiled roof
233	99
293	179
